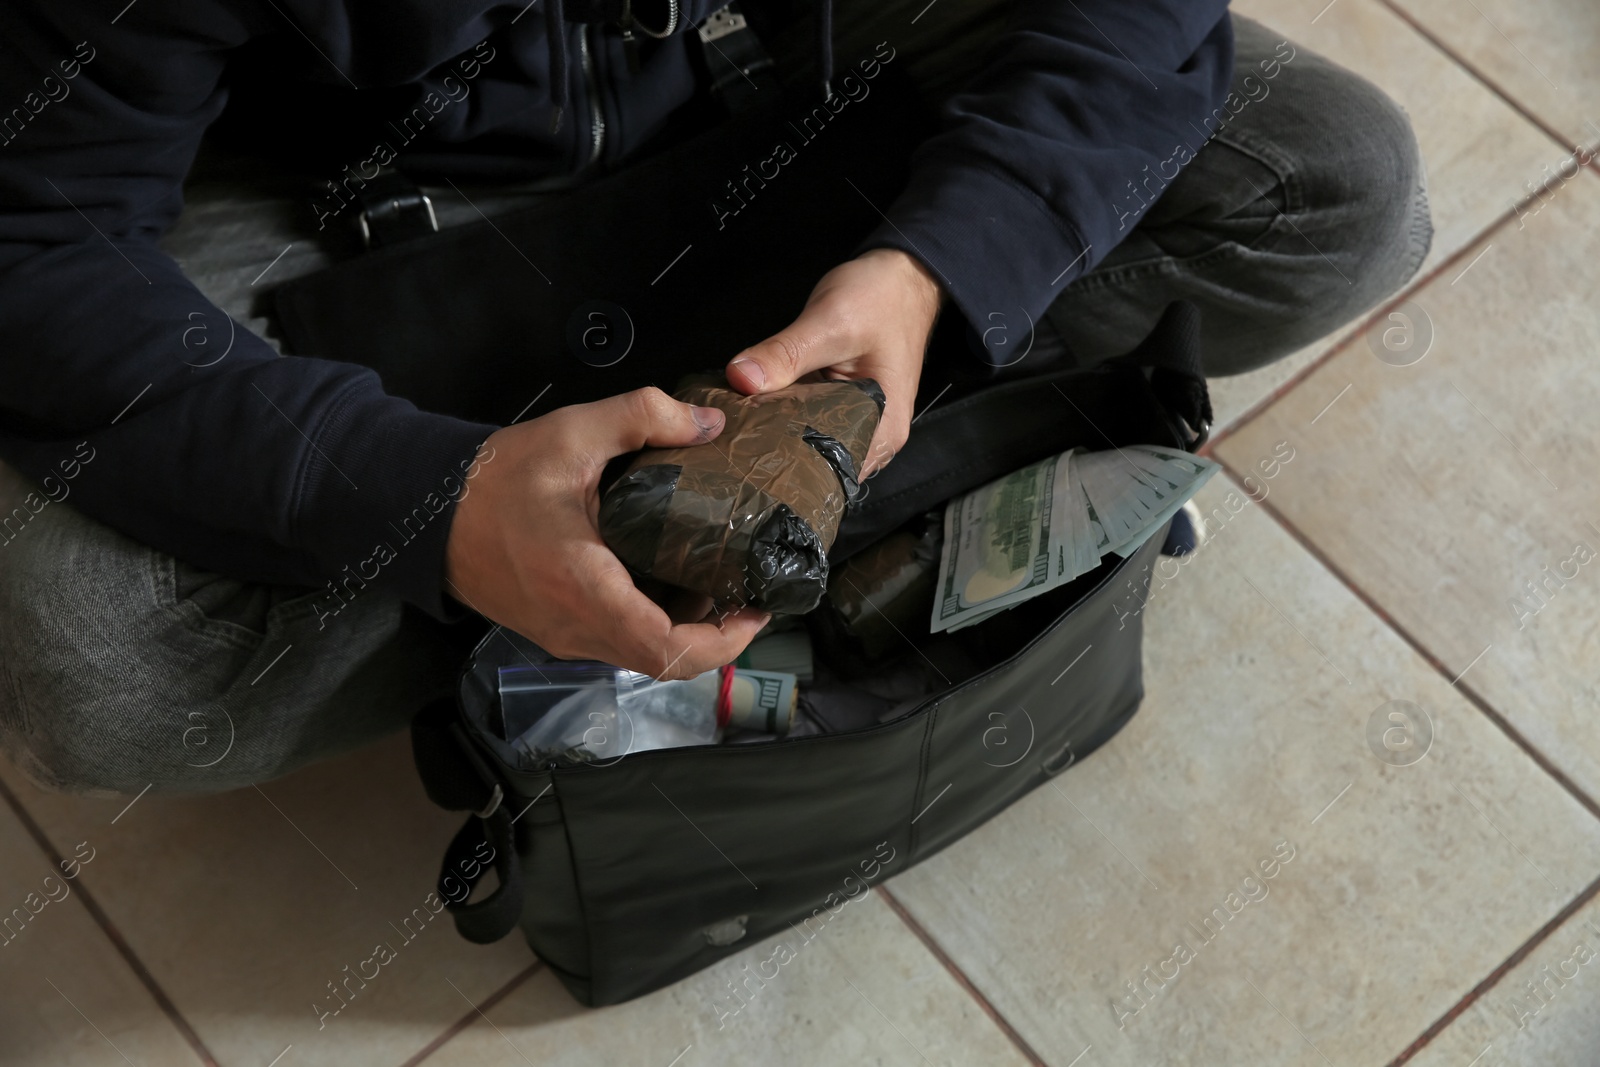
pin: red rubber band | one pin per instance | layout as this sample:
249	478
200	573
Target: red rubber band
725	696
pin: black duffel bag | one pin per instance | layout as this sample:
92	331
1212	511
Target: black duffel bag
628	875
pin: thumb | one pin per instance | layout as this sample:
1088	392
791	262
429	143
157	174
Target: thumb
777	362
630	421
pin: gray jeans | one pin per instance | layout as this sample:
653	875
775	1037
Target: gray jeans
122	667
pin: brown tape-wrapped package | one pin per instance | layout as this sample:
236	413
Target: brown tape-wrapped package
749	517
880	598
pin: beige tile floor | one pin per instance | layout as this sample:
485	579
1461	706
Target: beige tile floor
1442	912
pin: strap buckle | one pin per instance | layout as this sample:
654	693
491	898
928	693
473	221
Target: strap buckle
721	23
394	209
739	64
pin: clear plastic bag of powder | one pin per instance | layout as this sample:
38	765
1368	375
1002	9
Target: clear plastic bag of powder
594	711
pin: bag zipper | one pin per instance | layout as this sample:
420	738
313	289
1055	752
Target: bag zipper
588	60
628	22
669	29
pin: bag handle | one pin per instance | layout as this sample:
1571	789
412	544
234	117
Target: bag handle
1172	353
496	915
458	778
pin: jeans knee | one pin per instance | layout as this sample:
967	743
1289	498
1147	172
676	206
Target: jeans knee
52	763
1368	182
44	728
1392	186
95	672
1360	226
55	693
121	668
1348	146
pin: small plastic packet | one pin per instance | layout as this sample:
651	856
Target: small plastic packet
574	711
594	711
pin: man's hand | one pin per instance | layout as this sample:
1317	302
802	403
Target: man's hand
525	549
868	318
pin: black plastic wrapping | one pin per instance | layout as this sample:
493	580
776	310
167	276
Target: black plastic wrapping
747	519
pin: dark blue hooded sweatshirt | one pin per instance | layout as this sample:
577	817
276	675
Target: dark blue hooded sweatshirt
290	469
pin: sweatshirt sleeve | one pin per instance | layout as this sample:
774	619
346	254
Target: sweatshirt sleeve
124	390
1045	161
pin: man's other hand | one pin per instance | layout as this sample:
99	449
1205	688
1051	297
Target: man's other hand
525	549
868	318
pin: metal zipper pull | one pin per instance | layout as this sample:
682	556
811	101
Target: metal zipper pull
630	43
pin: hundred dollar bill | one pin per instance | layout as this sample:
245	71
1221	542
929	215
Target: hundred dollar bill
1044	525
998	543
1138	488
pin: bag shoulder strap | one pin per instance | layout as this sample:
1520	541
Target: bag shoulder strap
458	778
1177	378
739	65
497	914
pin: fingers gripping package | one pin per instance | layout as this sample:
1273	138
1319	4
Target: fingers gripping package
748	518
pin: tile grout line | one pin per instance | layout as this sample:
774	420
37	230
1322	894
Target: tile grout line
961	978
1477	701
1476	992
1365	323
1259	408
175	1017
1477	75
1471	695
468	1018
103	921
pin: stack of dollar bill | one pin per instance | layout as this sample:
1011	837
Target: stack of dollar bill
1042	526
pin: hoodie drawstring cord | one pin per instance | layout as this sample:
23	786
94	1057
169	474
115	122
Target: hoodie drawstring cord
555	31
825	45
